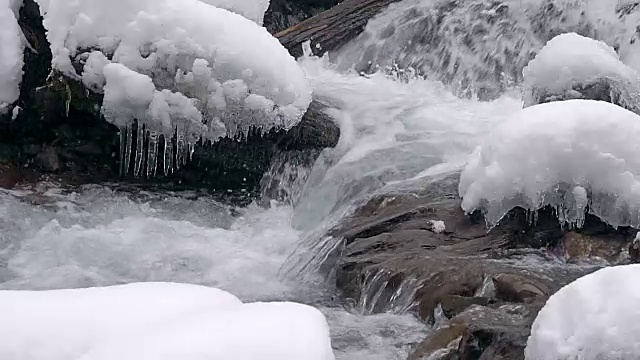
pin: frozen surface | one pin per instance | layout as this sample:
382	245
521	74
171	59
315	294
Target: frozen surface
571	59
567	154
251	9
11	54
156	321
595	317
207	65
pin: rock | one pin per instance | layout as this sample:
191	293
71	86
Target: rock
578	247
518	288
61	130
482	333
48	160
452	305
442	344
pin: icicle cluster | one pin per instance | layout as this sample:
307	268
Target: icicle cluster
175	68
575	156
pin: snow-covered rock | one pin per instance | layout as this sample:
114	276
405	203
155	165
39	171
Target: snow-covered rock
156	321
251	9
194	55
571	66
569	154
595	317
11	54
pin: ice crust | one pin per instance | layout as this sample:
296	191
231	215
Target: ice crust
572	155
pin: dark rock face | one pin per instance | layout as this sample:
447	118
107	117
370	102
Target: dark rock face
61	132
282	14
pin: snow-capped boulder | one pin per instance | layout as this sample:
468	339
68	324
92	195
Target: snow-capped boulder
571	66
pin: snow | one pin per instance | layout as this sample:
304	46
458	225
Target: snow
438	226
571	59
567	154
231	70
11	56
156	321
251	9
595	317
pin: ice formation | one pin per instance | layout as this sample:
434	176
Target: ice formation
595	317
573	155
178	67
11	54
156	321
251	9
569	60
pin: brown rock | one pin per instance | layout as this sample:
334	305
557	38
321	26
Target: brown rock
453	305
446	337
519	288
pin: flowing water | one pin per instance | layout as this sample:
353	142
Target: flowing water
400	128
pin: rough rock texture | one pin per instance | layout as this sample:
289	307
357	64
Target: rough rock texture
60	133
391	251
282	14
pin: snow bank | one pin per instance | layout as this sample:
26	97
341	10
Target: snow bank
11	54
568	60
251	9
196	56
156	321
567	154
595	317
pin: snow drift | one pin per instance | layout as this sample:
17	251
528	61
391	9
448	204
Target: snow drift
156	321
11	55
573	155
595	317
251	9
570	63
177	64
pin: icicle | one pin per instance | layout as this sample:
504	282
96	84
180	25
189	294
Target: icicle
168	149
152	155
180	150
123	143
192	149
139	151
127	152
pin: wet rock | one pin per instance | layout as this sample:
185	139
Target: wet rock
48	160
442	344
62	132
578	247
452	305
518	288
482	333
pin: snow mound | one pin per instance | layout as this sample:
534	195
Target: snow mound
11	54
251	9
595	317
156	321
181	64
571	60
573	155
